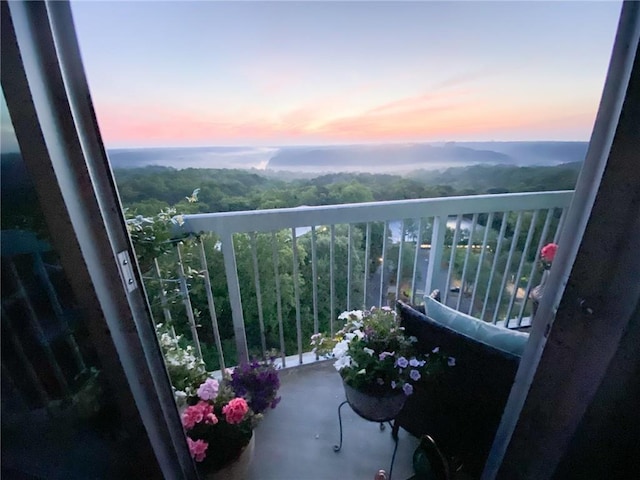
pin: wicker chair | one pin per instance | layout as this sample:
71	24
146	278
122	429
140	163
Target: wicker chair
461	409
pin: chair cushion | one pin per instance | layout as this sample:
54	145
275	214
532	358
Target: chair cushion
504	339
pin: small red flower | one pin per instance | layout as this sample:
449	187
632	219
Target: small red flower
548	252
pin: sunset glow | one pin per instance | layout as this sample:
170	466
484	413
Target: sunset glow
216	73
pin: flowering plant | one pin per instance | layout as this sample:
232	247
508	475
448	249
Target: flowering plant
547	254
186	371
218	424
374	356
258	383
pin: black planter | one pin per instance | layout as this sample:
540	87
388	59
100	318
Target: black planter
375	408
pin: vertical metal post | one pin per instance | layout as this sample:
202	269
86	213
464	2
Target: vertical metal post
435	253
452	258
416	257
57	310
516	281
256	282
367	252
466	260
163	297
212	306
36	328
332	284
505	277
382	264
276	272
314	274
349	248
186	299
496	255
296	293
231	271
399	269
541	241
31	374
487	229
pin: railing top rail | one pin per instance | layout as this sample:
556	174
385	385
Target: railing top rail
276	219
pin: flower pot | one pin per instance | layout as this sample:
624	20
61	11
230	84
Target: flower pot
239	468
375	408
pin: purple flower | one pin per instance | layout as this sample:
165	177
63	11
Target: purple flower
415	375
209	389
414	362
384	355
402	362
436	350
451	362
407	388
393	384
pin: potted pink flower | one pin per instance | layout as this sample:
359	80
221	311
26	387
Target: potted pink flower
219	427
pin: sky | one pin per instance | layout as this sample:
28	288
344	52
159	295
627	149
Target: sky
310	73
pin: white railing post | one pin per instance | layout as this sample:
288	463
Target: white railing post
435	254
231	271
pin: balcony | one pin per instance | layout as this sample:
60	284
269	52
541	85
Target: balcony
288	273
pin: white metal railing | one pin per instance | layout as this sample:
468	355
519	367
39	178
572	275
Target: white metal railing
500	265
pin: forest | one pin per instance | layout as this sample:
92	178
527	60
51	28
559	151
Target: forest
152	196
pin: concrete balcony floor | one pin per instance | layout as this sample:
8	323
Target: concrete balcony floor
295	441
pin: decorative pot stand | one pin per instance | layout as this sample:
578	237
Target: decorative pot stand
381	422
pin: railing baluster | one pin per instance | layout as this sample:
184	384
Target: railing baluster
24	361
558	231
349	248
332	285
399	269
256	282
186	300
57	309
314	273
436	251
525	250
496	255
36	329
466	260
210	302
367	252
296	293
235	299
382	263
541	240
276	272
163	297
514	242
416	256
487	229
452	258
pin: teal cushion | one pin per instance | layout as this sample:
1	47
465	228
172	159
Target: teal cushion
501	338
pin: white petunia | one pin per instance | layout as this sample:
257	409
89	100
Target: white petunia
340	349
342	362
368	350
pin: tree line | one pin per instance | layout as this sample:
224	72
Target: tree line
152	195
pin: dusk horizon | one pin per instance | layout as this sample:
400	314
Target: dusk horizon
263	74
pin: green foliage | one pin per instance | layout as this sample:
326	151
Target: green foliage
154	195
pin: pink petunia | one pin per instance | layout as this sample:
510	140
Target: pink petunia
198	449
200	412
235	410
